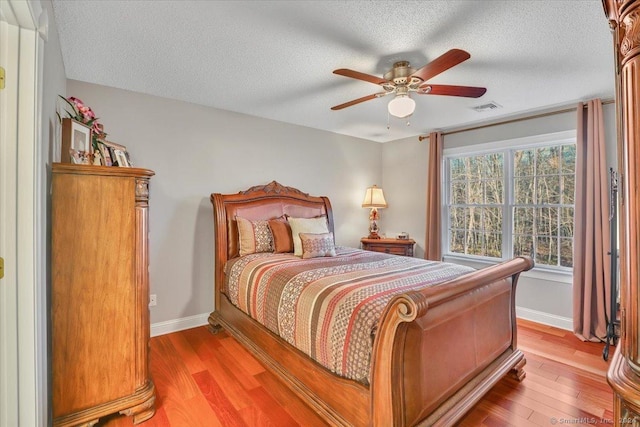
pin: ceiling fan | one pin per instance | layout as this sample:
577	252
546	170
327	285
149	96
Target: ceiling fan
403	79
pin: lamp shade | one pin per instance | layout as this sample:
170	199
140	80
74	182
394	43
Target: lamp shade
374	198
401	106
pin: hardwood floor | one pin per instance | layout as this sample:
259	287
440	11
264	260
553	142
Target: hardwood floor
211	380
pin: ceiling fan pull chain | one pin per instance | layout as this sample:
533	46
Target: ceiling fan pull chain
388	121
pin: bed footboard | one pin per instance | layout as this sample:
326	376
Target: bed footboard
438	351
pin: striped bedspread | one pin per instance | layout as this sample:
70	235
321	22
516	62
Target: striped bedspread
329	307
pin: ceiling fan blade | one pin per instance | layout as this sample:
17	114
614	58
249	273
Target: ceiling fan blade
466	91
358	101
360	76
442	63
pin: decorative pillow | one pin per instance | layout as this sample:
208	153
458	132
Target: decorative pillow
306	225
317	245
254	236
282	238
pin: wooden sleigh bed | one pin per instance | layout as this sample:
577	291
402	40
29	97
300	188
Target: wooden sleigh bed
435	352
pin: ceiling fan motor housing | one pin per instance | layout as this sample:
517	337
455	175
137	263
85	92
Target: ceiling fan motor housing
401	73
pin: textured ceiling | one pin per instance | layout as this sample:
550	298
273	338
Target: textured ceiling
274	59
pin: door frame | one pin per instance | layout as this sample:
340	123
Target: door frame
23	330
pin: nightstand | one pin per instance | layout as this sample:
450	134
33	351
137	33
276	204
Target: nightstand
390	246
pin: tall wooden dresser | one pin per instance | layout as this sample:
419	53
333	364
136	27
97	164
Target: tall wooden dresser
624	371
100	294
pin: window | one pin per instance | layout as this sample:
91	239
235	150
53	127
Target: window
476	210
512	198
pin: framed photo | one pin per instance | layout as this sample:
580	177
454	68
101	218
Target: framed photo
76	142
121	158
105	155
117	154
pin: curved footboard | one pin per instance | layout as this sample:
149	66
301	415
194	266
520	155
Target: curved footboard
439	350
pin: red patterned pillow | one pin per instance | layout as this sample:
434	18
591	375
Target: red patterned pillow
254	236
317	245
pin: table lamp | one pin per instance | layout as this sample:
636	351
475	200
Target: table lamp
374	199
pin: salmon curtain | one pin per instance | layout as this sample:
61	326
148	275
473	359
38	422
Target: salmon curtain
591	262
433	239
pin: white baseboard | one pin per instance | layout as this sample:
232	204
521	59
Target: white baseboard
565	323
175	325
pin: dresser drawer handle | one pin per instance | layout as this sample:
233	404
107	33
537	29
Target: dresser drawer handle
387	250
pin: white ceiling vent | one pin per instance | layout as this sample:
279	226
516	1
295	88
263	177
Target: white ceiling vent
492	105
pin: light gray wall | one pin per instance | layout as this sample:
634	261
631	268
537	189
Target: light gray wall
195	151
404	170
404	181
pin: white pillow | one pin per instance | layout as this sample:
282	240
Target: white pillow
306	225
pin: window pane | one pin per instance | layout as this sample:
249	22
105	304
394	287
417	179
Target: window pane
492	220
493	191
547	251
476	165
475	193
566	222
467	218
566	252
456	242
475	243
457	218
523	245
459	192
523	191
457	168
524	163
494	165
568	189
569	159
548	190
493	243
546	221
523	221
547	160
475	218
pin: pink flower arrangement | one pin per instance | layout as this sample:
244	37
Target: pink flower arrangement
84	114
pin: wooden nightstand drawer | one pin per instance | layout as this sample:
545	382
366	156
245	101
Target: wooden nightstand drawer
389	249
390	246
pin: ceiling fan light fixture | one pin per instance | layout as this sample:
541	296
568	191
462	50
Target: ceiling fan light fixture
401	106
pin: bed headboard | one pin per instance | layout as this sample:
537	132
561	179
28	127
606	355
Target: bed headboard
260	202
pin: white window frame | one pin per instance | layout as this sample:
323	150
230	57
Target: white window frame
506	146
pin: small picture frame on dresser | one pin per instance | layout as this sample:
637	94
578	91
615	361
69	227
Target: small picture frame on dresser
118	154
121	159
105	154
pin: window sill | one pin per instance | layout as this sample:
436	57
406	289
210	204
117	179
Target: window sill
537	273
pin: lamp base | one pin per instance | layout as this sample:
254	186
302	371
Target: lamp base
373	224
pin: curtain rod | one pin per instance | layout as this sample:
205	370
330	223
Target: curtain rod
519	119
